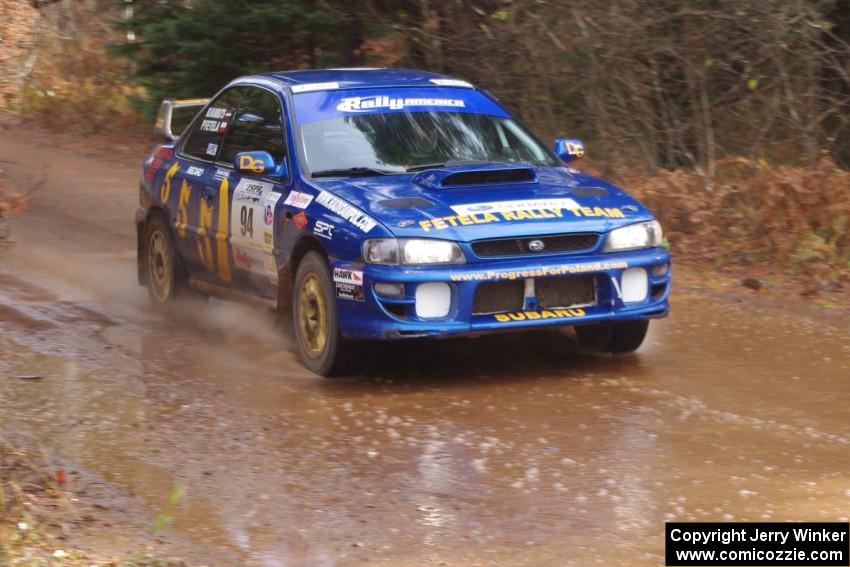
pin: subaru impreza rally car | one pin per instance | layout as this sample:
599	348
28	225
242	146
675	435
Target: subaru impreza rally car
390	204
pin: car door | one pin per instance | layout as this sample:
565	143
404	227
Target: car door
257	126
200	207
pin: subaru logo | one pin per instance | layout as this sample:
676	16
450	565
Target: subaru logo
536	245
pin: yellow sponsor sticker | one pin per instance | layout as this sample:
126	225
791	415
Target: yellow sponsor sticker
442	223
538	315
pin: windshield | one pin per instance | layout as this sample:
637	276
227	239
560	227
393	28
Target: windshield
399	129
399	141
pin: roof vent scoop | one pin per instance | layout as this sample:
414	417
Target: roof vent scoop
447	178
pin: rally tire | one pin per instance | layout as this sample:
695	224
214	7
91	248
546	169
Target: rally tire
162	266
314	315
617	338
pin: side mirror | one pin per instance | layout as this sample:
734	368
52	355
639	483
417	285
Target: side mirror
569	149
259	163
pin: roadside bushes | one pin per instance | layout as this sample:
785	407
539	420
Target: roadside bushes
789	216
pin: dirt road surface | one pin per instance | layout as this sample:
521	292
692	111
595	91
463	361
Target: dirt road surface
506	450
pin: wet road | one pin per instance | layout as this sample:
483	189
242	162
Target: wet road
504	450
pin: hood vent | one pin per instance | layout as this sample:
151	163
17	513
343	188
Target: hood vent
486	176
471	176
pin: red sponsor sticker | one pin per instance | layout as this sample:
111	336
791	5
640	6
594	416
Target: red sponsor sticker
300	220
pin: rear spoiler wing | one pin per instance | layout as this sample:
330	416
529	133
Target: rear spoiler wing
175	115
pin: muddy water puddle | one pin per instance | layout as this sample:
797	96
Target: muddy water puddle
503	450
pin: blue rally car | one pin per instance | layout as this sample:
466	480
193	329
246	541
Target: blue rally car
389	204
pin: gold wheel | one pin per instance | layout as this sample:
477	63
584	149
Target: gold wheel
313	316
160	266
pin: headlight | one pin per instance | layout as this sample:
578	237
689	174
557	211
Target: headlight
634	236
412	251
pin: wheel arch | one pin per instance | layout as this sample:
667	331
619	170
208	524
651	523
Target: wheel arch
286	274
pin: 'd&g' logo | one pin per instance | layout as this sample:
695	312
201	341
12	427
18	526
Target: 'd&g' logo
247	162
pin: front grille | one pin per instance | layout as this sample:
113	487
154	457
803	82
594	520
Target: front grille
497	297
520	246
567	291
551	293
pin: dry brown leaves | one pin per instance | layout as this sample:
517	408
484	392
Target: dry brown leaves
792	217
16	46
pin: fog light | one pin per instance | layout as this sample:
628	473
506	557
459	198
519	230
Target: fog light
390	289
659	270
433	300
635	285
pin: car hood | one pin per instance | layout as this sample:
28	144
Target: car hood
489	202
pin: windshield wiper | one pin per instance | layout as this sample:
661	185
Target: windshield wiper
424	166
352	172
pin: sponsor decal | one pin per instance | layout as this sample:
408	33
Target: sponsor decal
348	212
510	206
310	87
300	220
574	149
349	284
209	126
369	103
216	113
244	259
348	276
442	223
324	230
452	83
406	223
250	191
196	171
253	215
212	149
298	200
270	202
539	272
537	315
247	162
222	127
221	173
349	291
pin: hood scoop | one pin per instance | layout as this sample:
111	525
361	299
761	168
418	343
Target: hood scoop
481	175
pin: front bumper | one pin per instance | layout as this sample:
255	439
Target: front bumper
381	317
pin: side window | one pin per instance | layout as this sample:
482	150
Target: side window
257	127
205	138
